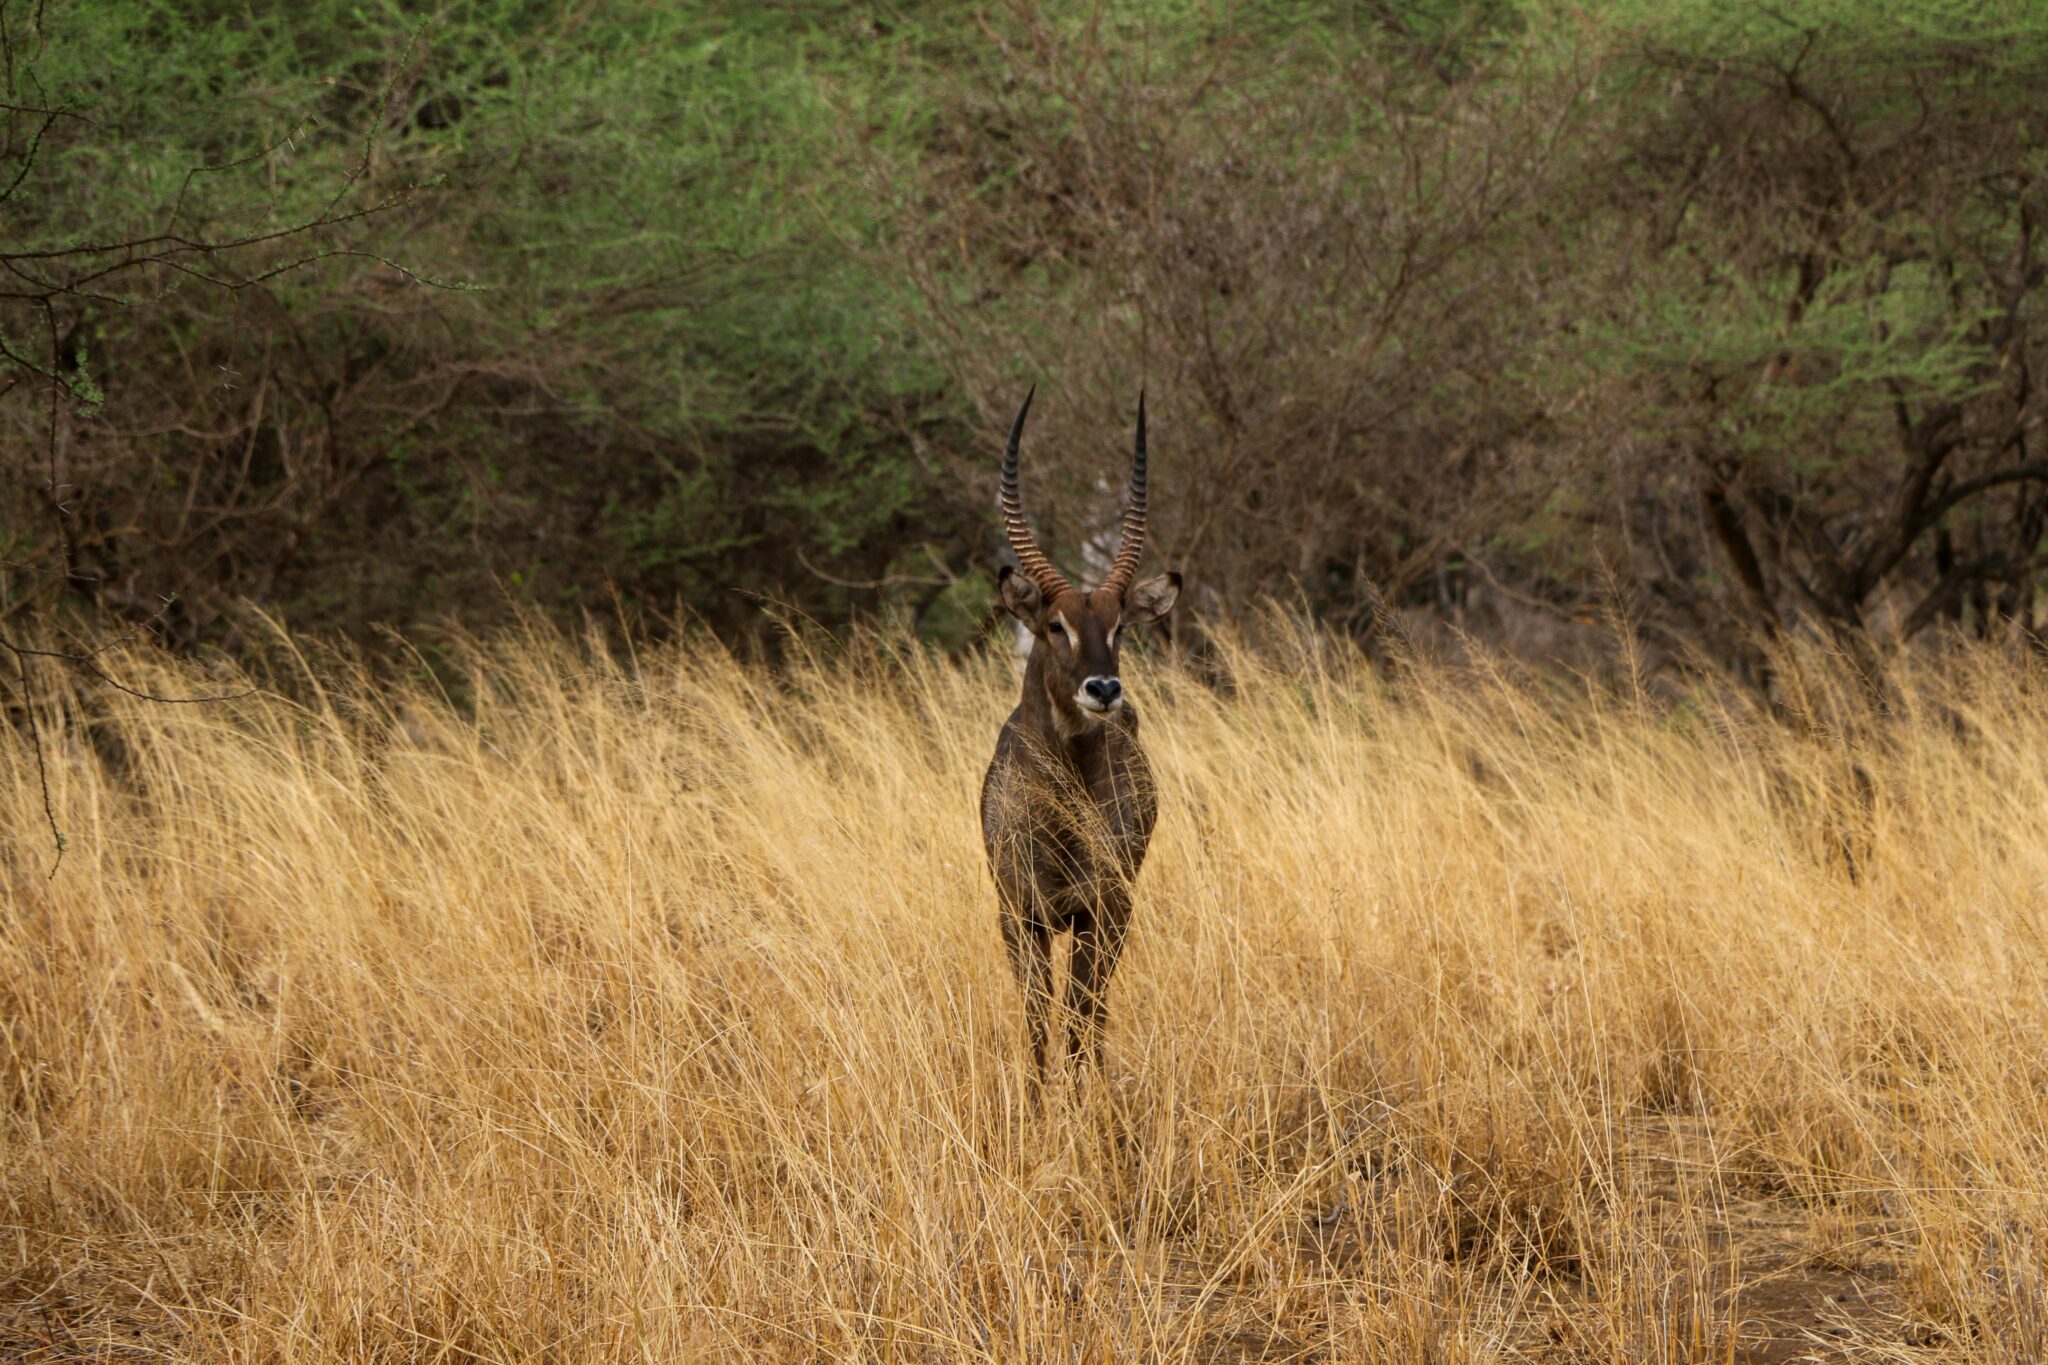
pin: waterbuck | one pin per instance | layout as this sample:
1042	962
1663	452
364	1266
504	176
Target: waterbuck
1068	805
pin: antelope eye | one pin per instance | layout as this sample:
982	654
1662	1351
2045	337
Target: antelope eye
1055	628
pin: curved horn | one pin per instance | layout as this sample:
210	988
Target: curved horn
1132	543
1030	558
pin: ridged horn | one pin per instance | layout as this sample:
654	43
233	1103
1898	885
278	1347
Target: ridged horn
1030	558
1132	542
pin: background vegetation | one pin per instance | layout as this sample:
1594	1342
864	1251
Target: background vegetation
381	314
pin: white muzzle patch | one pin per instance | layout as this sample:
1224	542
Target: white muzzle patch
1100	696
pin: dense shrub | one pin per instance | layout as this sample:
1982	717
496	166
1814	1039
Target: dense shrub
573	312
1490	313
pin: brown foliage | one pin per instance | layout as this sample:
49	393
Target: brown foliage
1321	275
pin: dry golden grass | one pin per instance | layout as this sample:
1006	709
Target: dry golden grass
656	1011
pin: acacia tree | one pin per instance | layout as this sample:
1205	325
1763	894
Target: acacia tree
76	265
1818	337
1317	252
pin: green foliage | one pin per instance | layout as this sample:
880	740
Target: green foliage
657	260
708	302
1758	30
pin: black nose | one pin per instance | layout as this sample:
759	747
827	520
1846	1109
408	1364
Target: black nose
1104	690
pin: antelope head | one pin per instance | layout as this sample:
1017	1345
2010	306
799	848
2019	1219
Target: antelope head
1078	633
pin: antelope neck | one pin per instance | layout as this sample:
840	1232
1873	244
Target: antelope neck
1082	744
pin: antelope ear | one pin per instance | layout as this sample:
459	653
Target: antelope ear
1152	599
1021	597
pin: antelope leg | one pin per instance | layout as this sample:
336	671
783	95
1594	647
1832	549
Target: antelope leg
1030	948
